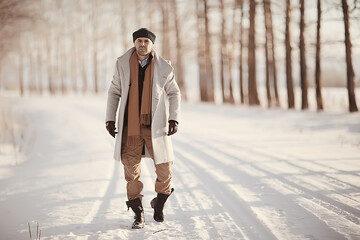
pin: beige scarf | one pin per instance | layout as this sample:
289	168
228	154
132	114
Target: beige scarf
137	118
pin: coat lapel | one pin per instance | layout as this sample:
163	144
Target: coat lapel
125	66
162	70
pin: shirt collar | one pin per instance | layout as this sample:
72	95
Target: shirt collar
144	62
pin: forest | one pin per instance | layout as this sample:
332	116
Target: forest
225	51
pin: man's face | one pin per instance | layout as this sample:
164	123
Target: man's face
143	46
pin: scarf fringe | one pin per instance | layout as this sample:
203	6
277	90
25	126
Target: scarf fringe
145	119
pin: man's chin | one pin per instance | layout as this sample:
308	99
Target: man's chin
142	53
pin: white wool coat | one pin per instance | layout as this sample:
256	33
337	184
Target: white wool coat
165	105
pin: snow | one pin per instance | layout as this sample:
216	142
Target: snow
240	173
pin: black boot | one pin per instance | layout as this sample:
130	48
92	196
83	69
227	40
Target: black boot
138	209
158	205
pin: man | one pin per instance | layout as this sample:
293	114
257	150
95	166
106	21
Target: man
143	83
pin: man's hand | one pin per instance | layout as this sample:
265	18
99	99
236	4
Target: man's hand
172	127
110	126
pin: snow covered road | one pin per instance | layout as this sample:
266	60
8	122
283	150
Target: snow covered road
240	173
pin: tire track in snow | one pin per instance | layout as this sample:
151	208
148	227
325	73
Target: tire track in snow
185	213
194	203
98	210
83	111
324	198
325	202
101	204
74	209
264	217
241	214
284	158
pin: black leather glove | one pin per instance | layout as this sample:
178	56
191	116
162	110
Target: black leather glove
110	126
173	127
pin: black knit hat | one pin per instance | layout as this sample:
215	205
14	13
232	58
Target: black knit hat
143	32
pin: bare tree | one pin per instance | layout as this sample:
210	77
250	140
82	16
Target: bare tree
201	49
179	52
267	54
123	25
349	65
74	63
40	66
230	54
208	62
241	75
94	22
275	85
15	17
271	80
303	76
253	94
165	29
204	52
50	74
225	60
21	73
289	79
84	74
32	86
319	101
222	51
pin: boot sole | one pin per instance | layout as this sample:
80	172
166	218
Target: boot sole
138	227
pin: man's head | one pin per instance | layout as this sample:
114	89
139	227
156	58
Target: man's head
143	41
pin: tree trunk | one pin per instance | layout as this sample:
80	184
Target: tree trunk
95	46
150	14
95	65
289	80
32	78
40	67
179	53
241	75
349	65
275	86
74	62
268	59
83	75
21	74
318	66
49	66
201	49
208	62
231	57
1	84
303	75
60	67
253	95
165	30
272	89
124	36
222	51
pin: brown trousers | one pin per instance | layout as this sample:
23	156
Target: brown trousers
131	159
